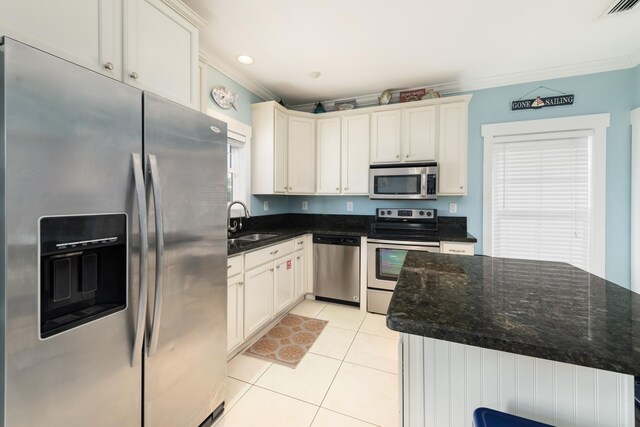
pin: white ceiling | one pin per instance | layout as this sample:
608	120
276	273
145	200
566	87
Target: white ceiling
365	46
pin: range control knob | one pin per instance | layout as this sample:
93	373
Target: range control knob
422	213
381	213
388	212
429	214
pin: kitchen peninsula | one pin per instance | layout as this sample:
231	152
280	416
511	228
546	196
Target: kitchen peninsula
544	340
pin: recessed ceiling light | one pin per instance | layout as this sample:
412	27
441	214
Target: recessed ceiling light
314	74
245	59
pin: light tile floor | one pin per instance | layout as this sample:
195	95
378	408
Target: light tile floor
348	378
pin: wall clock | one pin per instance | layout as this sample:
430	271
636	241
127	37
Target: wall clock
224	98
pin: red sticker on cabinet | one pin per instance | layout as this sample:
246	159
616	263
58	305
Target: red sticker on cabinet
289	265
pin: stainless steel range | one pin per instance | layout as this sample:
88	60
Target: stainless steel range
393	234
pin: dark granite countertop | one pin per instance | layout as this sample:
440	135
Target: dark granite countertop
542	309
289	226
285	234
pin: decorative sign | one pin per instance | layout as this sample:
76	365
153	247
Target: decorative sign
538	102
412	95
289	264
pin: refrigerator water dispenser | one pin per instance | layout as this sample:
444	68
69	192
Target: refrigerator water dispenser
83	270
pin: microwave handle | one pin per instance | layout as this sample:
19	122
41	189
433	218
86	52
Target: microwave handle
423	185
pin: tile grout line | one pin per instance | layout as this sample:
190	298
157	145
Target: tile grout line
351	416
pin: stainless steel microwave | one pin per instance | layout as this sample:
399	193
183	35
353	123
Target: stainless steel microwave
416	181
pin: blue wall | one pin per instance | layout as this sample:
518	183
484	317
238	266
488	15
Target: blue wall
214	79
611	92
637	87
277	204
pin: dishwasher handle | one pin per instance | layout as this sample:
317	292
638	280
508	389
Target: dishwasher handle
328	239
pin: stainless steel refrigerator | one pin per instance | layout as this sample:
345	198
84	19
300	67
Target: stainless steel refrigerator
112	251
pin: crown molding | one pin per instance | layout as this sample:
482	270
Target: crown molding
211	59
591	67
186	12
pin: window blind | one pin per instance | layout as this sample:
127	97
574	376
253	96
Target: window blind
541	193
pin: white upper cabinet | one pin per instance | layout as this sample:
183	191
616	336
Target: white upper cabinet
452	149
269	149
161	51
355	154
302	159
144	43
283	151
419	134
86	32
343	155
280	152
303	153
328	155
385	136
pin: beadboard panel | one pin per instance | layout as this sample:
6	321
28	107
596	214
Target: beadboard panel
443	382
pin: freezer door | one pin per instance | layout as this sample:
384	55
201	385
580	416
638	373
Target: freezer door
185	361
66	150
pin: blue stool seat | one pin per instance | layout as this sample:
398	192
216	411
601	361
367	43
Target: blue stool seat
485	417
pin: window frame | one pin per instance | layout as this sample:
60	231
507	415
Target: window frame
595	126
239	135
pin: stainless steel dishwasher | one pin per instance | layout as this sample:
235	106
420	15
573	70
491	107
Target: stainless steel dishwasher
336	268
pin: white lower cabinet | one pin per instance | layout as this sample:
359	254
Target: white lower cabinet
456	248
258	298
261	285
283	283
301	274
235	311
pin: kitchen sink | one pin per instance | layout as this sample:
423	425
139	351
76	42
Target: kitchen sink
250	238
256	236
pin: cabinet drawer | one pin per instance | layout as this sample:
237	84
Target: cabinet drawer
299	243
234	265
456	248
261	256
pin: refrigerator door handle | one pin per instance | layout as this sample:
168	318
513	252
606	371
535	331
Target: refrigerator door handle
144	256
157	308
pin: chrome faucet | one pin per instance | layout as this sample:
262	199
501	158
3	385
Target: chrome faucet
235	227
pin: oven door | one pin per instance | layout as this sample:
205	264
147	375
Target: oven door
385	259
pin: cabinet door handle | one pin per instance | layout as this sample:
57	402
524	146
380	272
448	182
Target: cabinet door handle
458	251
300	243
228	267
407	156
134	75
271	269
297	257
338	188
108	65
345	188
461	187
278	267
240	283
397	156
274	252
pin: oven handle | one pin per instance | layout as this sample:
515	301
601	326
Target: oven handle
411	246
